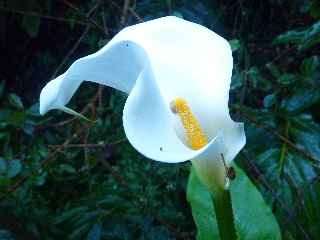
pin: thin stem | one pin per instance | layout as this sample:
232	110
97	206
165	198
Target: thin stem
224	214
283	151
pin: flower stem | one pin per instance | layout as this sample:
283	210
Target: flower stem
224	214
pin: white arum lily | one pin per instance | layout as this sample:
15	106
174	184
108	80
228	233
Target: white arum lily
156	63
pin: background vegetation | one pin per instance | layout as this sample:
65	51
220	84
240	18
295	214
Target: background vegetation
62	178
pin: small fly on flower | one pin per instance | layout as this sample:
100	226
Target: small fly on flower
231	173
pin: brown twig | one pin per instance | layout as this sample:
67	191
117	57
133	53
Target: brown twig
100	95
88	15
71	51
131	10
243	91
77	43
104	22
114	173
123	18
35	14
88	145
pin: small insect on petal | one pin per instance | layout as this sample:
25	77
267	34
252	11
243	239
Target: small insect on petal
230	172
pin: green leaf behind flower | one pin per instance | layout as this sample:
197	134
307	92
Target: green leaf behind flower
253	217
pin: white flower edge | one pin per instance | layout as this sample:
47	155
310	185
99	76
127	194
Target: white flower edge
154	62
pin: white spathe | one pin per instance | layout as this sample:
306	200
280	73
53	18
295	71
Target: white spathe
154	63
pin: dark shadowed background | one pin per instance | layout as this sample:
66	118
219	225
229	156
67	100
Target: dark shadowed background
62	178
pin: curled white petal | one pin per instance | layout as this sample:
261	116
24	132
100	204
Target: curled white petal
155	62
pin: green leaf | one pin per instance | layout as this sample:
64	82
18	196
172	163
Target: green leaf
257	80
2	85
69	213
253	217
236	80
15	100
95	232
269	100
6	235
14	168
235	44
177	14
67	168
311	38
39	180
294	166
34	110
287	78
309	66
273	70
292	36
3	165
102	42
31	25
303	99
202	209
303	39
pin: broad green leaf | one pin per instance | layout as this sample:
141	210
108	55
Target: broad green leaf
67	214
273	70
303	39
34	110
14	168
16	118
253	217
3	165
202	209
67	168
102	42
311	214
269	100
311	38
303	99
235	44
177	14
294	166
256	79
309	66
95	232
287	78
31	25
307	134
2	85
15	100
292	36
236	80
6	235
40	179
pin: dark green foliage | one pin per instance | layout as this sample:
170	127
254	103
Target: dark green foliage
51	189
